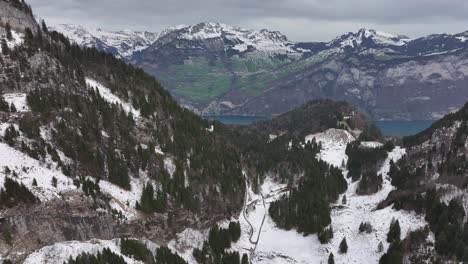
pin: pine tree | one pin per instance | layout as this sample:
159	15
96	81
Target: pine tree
9	35
245	259
44	27
5	49
394	232
380	247
331	259
343	246
13	108
54	181
34	183
4	105
344	200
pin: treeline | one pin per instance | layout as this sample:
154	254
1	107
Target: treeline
104	257
307	205
215	249
136	250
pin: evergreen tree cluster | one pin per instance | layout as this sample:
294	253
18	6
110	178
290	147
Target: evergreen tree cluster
104	257
165	256
447	222
325	235
136	250
363	163
365	227
149	203
394	232
215	249
14	193
307	205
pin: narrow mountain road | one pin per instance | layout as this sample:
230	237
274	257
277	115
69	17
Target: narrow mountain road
260	202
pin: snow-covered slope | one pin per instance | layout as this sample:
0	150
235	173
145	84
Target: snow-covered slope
121	43
61	252
267	244
334	142
107	95
17	39
25	169
18	100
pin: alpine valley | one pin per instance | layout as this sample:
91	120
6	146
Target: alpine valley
99	164
216	69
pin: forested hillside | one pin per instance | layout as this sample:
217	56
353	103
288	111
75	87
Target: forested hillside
96	154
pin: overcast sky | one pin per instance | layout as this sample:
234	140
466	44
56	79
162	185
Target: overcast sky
300	20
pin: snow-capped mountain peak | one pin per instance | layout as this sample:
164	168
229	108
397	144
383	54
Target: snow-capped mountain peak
366	38
126	42
120	43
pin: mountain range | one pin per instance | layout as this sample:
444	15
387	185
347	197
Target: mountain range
216	69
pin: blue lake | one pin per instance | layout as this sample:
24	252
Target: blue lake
237	120
403	128
388	128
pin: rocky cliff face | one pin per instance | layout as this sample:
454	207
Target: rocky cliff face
17	14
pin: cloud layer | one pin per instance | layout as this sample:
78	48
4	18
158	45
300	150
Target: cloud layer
300	20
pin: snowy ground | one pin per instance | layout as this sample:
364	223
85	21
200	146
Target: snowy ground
125	200
17	39
280	246
334	142
60	252
107	94
27	169
18	100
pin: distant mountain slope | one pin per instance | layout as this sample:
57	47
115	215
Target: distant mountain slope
214	68
123	44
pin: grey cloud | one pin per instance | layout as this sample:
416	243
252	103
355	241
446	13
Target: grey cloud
306	20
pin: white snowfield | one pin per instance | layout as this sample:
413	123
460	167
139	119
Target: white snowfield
334	142
18	100
61	252
27	169
107	94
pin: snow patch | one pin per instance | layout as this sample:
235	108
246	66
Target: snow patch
17	39
334	142
169	166
61	252
371	144
28	169
18	100
107	94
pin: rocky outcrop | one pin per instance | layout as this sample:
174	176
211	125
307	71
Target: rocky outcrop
18	16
